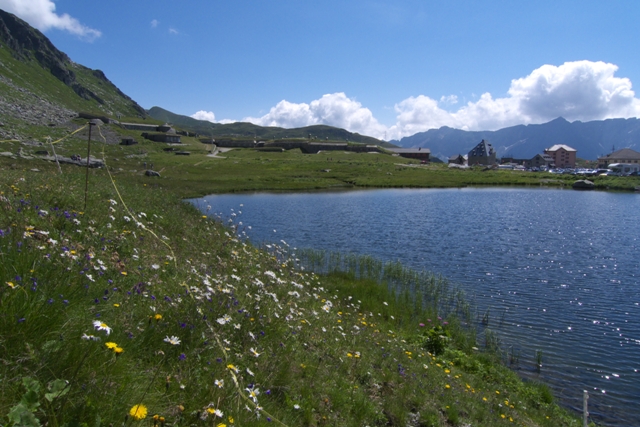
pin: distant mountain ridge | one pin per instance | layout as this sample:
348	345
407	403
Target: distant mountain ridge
40	85
243	129
592	139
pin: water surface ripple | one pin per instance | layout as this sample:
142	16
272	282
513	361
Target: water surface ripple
558	270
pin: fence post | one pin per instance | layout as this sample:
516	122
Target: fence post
86	182
585	409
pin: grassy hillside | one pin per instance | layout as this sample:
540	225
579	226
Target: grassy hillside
138	309
23	78
242	129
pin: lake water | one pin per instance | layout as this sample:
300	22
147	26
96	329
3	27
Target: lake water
558	270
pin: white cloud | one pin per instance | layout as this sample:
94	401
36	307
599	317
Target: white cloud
205	115
154	23
334	109
42	15
173	31
451	99
581	90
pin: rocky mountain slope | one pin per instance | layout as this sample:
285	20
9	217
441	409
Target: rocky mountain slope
41	86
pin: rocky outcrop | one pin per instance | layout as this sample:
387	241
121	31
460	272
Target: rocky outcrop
583	184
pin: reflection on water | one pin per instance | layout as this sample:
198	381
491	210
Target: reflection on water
557	270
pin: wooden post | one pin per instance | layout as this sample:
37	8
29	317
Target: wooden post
86	182
585	409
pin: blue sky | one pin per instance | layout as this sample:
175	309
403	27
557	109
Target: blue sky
381	68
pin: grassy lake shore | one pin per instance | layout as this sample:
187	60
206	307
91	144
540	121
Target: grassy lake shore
246	170
136	309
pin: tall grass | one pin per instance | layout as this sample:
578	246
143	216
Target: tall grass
139	310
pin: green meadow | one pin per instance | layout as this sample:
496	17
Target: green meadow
246	170
122	305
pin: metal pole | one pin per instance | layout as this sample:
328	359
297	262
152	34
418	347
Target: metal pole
86	181
585	409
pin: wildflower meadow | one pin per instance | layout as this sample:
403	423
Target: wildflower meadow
139	310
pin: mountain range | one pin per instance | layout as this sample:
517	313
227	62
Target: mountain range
592	139
40	85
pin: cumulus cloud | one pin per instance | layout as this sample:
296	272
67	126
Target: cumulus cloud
334	109
42	15
205	115
581	90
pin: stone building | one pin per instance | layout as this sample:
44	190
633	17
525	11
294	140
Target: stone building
482	154
162	137
419	153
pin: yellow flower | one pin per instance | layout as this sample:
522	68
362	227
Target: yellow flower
111	345
503	416
349	355
11	285
158	316
221	425
138	412
447	386
230	419
124	273
116	305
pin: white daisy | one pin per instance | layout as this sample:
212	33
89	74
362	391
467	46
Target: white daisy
172	340
101	326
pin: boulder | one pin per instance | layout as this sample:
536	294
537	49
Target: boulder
149	172
583	184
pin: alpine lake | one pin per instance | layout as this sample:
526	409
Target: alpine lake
555	274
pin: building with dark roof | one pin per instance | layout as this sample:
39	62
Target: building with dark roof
457	159
482	154
540	161
626	155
